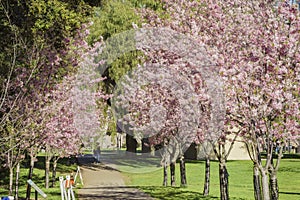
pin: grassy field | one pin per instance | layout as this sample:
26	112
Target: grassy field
38	177
240	181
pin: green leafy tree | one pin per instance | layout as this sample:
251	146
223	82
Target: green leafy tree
113	17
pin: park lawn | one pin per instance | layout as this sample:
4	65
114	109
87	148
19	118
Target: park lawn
38	178
240	181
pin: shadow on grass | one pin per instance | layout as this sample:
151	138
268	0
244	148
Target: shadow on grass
97	166
64	165
4	180
176	193
173	193
292	193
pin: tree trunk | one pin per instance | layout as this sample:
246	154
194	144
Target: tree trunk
11	178
256	183
131	144
274	187
17	182
172	170
146	148
165	183
274	191
223	175
183	181
28	191
207	176
11	168
54	172
265	186
47	171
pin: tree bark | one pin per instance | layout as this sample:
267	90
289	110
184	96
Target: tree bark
274	186
131	144
165	181
47	171
30	173
207	176
273	183
223	175
183	181
265	186
11	178
54	172
146	148
172	170
11	170
17	182
256	183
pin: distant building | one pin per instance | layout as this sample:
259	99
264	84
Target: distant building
238	152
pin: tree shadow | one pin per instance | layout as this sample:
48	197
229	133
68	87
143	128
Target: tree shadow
112	193
292	193
173	193
95	167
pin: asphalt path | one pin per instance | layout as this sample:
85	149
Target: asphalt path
105	183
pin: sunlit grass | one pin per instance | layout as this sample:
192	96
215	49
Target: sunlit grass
240	181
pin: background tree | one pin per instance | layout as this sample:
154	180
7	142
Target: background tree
110	19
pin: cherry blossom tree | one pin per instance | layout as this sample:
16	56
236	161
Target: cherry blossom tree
73	106
161	100
257	44
266	101
34	61
214	129
88	99
60	136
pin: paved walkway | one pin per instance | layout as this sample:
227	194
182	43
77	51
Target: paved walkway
104	183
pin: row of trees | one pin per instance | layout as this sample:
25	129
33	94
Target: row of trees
41	48
238	59
254	46
49	87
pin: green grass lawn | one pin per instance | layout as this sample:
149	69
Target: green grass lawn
38	178
240	181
